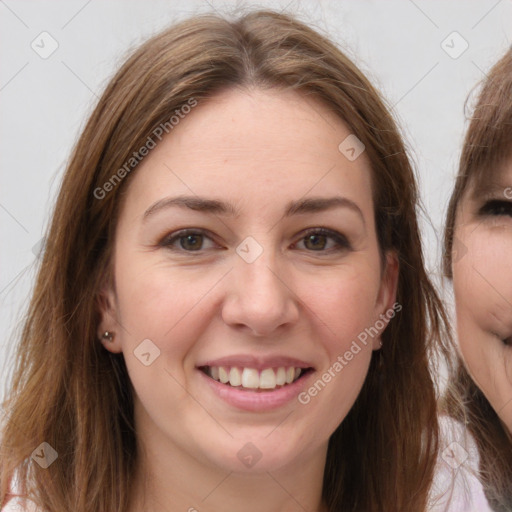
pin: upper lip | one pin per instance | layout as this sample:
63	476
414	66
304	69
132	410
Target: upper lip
256	362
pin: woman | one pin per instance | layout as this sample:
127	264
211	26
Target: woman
232	308
478	240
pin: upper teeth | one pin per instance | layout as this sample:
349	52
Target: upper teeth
251	378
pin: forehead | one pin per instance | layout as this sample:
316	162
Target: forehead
256	145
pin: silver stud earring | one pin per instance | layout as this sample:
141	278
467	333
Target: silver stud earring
107	335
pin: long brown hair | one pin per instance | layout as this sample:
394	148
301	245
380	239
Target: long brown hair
487	146
71	393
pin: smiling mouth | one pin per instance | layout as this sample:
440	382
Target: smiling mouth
250	379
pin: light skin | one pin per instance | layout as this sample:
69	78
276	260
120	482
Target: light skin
482	279
304	297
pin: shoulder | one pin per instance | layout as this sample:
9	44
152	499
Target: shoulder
18	504
17	500
456	486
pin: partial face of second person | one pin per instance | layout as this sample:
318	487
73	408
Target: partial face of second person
482	278
263	278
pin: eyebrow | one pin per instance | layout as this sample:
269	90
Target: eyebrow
299	207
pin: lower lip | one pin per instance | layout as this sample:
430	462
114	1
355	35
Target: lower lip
253	400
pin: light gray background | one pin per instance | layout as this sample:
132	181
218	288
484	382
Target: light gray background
44	102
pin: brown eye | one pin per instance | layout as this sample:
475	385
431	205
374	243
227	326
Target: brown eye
315	242
189	241
324	240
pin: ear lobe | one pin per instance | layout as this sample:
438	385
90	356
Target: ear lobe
106	304
387	295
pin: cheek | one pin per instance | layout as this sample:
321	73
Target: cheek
160	301
482	279
342	304
342	307
171	307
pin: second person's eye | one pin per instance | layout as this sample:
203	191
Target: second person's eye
496	207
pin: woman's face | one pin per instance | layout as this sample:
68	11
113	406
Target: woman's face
482	278
246	249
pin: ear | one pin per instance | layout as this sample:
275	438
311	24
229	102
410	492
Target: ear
107	307
386	299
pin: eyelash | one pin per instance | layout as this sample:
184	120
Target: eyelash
496	208
341	241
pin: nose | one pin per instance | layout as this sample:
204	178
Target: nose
258	298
